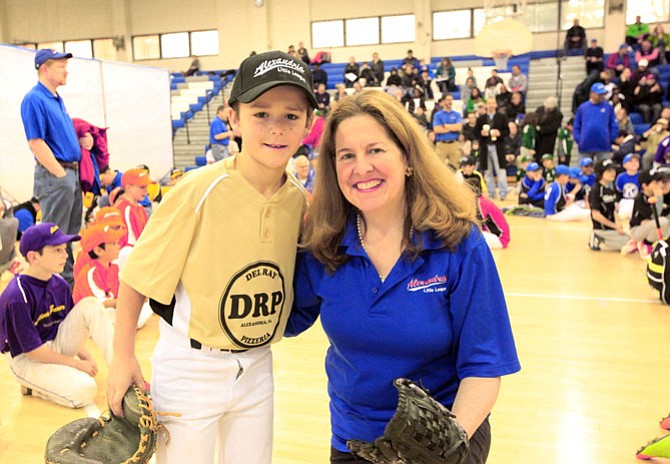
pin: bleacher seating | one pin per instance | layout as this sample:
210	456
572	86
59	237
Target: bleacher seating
190	94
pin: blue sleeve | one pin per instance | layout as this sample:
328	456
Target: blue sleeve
439	118
577	126
34	122
484	344
619	182
535	193
550	199
25	219
306	304
459	118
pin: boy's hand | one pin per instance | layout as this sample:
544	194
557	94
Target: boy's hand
87	366
124	371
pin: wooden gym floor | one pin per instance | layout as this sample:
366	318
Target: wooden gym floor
592	338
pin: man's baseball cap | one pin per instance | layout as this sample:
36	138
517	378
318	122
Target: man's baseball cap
46	234
264	71
643	62
598	88
45	54
532	167
575	172
603	165
562	170
468	161
586	162
629	157
109	216
97	234
547	156
135	176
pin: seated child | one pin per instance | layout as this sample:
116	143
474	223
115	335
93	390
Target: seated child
603	199
135	216
522	162
624	144
627	185
107	215
558	205
494	225
44	331
135	182
532	187
100	277
548	169
470	175
574	188
643	231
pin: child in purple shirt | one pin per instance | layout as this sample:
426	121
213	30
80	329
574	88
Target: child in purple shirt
44	332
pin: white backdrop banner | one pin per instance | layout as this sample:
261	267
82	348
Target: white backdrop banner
132	101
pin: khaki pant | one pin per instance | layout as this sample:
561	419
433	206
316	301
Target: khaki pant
449	152
62	384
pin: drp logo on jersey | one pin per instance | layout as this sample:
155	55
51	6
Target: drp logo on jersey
252	305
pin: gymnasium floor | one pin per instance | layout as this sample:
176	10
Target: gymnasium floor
591	335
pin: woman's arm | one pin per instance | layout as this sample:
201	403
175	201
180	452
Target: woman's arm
474	401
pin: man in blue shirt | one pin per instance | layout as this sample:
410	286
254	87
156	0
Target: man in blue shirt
219	134
447	126
53	141
595	125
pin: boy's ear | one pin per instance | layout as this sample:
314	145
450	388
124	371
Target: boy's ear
233	118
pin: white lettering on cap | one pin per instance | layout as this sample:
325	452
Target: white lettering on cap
269	65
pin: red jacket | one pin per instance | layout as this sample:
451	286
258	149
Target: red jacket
89	171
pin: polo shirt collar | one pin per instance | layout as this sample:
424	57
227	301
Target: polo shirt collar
43	88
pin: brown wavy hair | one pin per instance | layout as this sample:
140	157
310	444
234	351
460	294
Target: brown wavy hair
435	199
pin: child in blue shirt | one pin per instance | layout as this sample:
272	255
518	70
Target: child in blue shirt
627	184
532	187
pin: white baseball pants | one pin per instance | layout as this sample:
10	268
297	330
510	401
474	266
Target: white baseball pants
222	398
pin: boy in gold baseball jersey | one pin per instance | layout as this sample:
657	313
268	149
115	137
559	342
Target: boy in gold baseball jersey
217	260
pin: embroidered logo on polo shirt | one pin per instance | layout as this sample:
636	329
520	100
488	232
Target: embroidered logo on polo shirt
252	305
432	285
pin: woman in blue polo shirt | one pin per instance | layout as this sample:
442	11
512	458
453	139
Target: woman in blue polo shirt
405	285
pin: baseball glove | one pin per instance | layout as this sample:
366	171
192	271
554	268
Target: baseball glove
108	439
422	431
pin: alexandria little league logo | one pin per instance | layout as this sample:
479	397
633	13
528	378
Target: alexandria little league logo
252	305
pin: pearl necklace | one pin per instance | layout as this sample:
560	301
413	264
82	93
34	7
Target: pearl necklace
360	239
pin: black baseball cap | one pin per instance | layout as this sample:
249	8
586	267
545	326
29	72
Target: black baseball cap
264	71
468	161
603	165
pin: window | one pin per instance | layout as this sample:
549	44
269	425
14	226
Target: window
651	11
104	49
497	13
540	17
79	48
328	34
397	29
452	24
363	31
146	47
58	46
175	45
591	13
205	43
